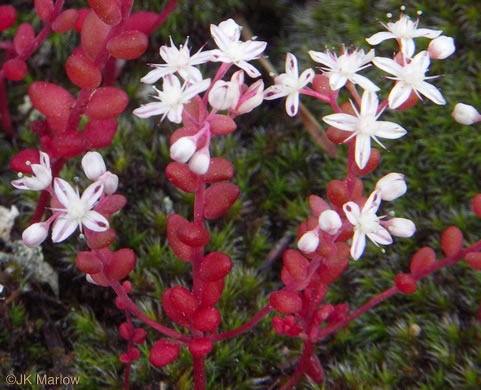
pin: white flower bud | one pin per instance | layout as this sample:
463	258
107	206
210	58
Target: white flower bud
252	98
441	47
308	242
182	149
93	165
224	95
400	227
200	161
35	234
465	114
1	288
330	222
110	182
90	279
391	186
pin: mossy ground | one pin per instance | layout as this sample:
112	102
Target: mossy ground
428	340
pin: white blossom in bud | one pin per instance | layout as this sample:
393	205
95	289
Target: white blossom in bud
391	186
41	179
330	222
224	94
1	288
182	149
93	165
465	114
35	234
253	97
90	279
441	47
400	227
110	182
199	163
308	242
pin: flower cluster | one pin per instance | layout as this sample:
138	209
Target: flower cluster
70	209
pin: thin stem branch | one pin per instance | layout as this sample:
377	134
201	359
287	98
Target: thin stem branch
245	327
199	372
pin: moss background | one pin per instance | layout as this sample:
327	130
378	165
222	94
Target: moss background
429	340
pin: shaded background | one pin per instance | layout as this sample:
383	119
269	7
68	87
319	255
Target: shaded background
429	340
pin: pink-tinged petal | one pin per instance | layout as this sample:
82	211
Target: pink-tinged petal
64	191
363	150
432	93
352	212
249	69
154	75
175	114
427	33
216	55
253	49
408	47
63	228
364	82
306	77
34	184
291	65
150	109
381	237
195	89
369	103
337	80
19	184
422	60
389	130
191	74
399	94
92	193
342	121
292	104
388	65
220	38
377	38
323	58
201	57
274	92
95	221
367	57
372	203
358	244
171	82
45	160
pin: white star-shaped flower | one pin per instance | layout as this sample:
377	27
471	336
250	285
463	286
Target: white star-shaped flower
178	60
289	84
77	211
344	68
366	223
41	179
404	31
410	77
232	50
364	126
172	99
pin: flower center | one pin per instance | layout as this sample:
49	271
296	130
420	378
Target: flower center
77	209
368	223
412	74
367	125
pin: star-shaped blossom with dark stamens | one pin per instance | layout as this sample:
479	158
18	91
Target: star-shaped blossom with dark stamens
364	126
410	77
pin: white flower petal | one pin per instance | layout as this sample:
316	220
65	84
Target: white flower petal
432	93
95	221
401	227
377	38
63	228
92	194
64	191
387	65
363	150
389	130
358	244
342	121
337	80
352	212
380	237
399	94
292	104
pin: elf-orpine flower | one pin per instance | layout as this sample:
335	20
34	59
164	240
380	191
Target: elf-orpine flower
172	99
178	60
290	84
41	179
404	31
365	126
232	50
344	68
410	77
367	223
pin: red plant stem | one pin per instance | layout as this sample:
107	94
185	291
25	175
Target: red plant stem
393	290
245	327
351	161
163	16
129	348
4	113
353	90
199	372
199	252
130	305
306	355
